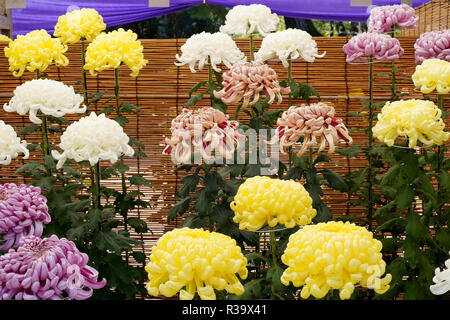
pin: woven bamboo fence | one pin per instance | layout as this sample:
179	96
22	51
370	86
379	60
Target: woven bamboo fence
161	91
433	16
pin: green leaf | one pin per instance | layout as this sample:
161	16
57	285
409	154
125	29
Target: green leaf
138	180
202	204
28	129
121	167
388	225
274	276
334	180
196	87
353	151
139	256
129	108
179	209
114	241
252	290
139	225
390	174
96	96
107	110
322	157
190	182
404	198
253	256
193	100
122	120
94	217
295	90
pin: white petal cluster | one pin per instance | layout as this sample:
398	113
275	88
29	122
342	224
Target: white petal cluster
10	144
49	96
219	47
290	42
441	280
93	138
245	20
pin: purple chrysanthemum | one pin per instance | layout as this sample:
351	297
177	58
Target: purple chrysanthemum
384	17
23	211
47	269
434	44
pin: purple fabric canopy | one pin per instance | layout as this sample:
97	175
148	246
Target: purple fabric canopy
43	14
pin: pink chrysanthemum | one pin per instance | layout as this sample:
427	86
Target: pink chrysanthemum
370	44
47	269
433	45
23	211
208	130
246	80
383	18
316	123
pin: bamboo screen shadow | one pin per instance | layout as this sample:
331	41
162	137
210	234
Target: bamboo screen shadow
161	91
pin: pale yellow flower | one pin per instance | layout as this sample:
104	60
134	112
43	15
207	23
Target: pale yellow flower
432	74
194	260
4	38
334	255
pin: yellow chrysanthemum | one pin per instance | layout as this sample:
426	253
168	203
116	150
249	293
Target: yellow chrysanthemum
4	38
432	74
415	119
334	255
111	49
193	260
262	199
79	24
35	51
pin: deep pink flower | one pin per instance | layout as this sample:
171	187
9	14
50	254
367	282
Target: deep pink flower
434	44
23	211
383	18
47	269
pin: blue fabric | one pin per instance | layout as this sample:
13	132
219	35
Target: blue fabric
43	14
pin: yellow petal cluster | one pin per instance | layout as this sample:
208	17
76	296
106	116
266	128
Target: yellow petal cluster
415	119
79	24
195	260
109	50
334	255
262	199
4	38
432	74
35	51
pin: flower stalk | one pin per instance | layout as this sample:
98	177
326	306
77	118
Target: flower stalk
370	176
83	73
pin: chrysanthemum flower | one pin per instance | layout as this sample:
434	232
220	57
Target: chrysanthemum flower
245	20
23	211
192	261
47	269
207	130
292	43
316	123
4	38
35	51
48	96
441	280
334	255
433	44
432	74
261	200
85	23
383	18
218	47
370	44
415	119
109	50
246	80
10	144
93	138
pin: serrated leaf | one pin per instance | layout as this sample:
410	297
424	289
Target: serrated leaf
190	182
139	225
193	100
334	180
179	209
196	87
139	256
138	180
28	129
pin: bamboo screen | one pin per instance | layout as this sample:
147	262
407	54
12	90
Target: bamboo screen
433	16
161	91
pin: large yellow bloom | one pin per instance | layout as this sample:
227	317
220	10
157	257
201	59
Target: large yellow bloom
432	74
334	255
111	49
35	51
262	199
4	38
193	260
415	119
79	24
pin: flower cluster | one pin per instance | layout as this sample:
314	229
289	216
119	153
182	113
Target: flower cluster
414	119
85	23
433	44
245	20
432	74
47	269
48	96
246	80
288	44
35	51
23	211
110	50
316	123
214	48
191	261
208	130
4	38
383	18
334	255
10	144
369	44
261	200
93	138
441	280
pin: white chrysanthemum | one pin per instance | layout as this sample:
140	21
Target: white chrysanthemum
290	42
245	20
219	47
441	280
93	138
49	96
10	144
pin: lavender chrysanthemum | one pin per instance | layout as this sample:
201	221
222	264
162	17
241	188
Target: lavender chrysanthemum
47	269
433	45
23	211
383	18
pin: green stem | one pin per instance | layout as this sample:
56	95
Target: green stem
441	152
369	151
83	72
273	248
290	78
44	130
252	55
96	186
117	90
